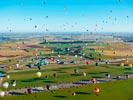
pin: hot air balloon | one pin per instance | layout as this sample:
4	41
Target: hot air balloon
35	26
76	56
48	87
73	94
17	65
2	93
5	85
55	75
130	65
108	76
122	64
94	81
30	19
39	74
75	71
127	76
118	77
8	76
13	83
59	56
44	2
96	90
84	74
29	90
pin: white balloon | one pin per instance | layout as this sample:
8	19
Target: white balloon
39	74
17	65
2	93
84	74
14	84
76	56
5	85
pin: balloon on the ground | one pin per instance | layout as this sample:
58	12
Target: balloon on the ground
122	64
39	74
2	93
5	85
8	76
130	65
73	94
94	81
84	74
96	90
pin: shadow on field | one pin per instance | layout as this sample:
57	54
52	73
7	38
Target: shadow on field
16	93
127	68
85	93
49	81
61	72
83	68
93	73
75	74
31	80
128	72
38	79
60	96
56	70
97	77
104	72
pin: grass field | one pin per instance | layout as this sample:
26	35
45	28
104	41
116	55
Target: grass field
118	90
64	75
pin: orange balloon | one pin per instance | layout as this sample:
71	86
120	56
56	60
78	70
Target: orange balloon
96	90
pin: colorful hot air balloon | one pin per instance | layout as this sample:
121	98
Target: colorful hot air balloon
96	90
94	81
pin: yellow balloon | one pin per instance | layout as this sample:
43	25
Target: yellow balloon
122	64
8	76
130	65
39	74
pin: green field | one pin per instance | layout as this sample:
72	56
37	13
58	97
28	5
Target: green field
118	90
64	75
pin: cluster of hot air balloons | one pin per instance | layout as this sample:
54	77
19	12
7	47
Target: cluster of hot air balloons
6	85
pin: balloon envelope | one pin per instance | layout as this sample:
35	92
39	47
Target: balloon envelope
96	90
5	85
8	76
2	93
39	74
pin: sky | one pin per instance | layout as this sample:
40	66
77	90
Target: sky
66	15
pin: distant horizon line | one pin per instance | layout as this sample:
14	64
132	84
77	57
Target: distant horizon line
64	32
